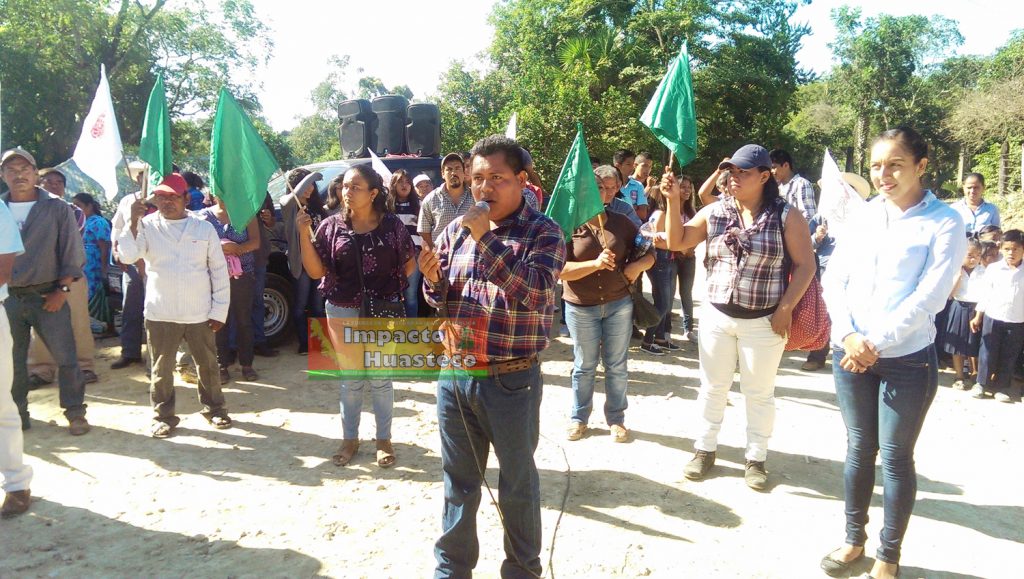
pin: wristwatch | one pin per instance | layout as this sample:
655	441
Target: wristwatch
65	289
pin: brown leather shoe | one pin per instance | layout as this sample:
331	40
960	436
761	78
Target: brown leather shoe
78	426
812	366
16	503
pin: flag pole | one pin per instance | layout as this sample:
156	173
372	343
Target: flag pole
145	183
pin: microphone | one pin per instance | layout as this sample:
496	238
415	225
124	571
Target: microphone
481	205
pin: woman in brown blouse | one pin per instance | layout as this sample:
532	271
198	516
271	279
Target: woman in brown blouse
598	307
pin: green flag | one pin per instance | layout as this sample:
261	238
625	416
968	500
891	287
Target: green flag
575	198
240	162
155	146
670	114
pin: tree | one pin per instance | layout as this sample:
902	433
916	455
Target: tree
556	62
991	117
883	63
52	52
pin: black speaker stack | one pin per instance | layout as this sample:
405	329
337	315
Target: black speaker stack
389	125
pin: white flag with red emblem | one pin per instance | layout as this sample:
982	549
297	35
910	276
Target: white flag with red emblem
99	148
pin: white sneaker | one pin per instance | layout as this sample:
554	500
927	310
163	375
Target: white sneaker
690	336
1002	397
978	391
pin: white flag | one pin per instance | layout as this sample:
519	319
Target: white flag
510	132
380	168
99	148
838	198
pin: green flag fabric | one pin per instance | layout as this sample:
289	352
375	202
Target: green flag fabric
575	198
240	162
670	114
155	146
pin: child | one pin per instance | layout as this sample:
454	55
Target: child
989	253
1000	317
959	340
990	233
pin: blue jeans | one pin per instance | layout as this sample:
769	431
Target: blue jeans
132	321
686	269
381	391
259	338
663	289
306	296
600	330
25	312
412	293
503	411
883	408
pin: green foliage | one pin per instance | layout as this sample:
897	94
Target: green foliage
52	51
987	163
556	62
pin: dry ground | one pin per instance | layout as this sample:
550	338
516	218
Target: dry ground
263	498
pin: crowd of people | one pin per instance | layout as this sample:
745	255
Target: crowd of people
479	248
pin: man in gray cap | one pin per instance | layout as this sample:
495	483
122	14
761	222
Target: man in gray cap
40	283
442	205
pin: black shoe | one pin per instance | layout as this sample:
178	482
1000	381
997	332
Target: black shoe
667	345
836	568
35	382
652	349
700	465
123	362
755	475
303	348
25	422
90	376
265	351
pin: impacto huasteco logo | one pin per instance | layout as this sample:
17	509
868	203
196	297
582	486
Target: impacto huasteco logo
401	348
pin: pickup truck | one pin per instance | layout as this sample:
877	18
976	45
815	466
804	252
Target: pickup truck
277	296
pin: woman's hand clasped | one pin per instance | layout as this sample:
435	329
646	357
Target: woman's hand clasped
861	354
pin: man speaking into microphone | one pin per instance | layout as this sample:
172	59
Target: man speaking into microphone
494	271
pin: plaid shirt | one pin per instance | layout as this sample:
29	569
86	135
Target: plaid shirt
745	265
502	285
799	193
437	210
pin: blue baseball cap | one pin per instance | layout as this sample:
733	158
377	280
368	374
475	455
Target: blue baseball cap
748	157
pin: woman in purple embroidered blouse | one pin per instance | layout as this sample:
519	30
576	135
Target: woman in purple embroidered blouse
363	231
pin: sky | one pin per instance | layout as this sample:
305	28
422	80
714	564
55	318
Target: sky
425	36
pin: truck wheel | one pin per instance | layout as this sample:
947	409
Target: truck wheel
277	306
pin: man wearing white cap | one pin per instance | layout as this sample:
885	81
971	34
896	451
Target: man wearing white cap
16	474
40	283
423	185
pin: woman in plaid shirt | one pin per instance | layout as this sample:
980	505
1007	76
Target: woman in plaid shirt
747	315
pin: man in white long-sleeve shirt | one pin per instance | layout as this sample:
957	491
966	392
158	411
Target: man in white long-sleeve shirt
187	295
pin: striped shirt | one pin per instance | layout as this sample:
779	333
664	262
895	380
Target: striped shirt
745	263
409	214
502	285
799	193
438	210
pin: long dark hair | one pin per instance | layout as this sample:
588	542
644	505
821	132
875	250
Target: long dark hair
689	208
86	199
315	203
413	199
373	181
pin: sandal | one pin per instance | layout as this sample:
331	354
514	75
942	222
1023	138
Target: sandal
219	420
160	429
385	454
346	451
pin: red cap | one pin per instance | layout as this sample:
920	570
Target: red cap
173	183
